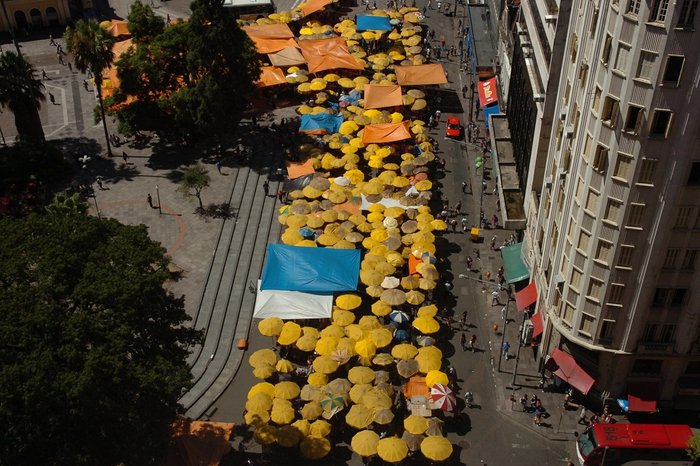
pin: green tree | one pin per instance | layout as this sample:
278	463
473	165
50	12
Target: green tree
63	204
194	180
143	23
694	447
93	353
22	93
92	49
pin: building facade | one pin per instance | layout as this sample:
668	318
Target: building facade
613	195
25	16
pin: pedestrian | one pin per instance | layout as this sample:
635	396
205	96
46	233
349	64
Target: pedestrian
494	221
85	85
493	242
494	298
469	263
483	186
464	92
463	341
442	41
51	41
280	195
60	59
464	187
472	342
167	19
582	416
505	348
438	113
463	321
523	402
504	313
430	5
458	208
266	187
125	157
52	98
218	166
99	183
453	222
149	199
44	75
465	225
495	189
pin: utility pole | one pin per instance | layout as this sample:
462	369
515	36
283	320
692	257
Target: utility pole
517	355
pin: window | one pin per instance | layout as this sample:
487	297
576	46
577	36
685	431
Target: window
612	211
600	160
582	74
587	146
623	52
603	252
647	367
677	297
634	119
617	290
606	329
673	70
646	65
660	124
575	281
573	51
646	172
694	177
592	201
611	108
633	7
689	259
594	289
622	166
649	333
596	99
660	297
687	17
586	326
594	19
683	217
658	11
671	256
567	313
667	333
583	240
572	228
607	48
625	258
636	212
579	190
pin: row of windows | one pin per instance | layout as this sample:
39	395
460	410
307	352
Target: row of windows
658	11
672	71
679	259
660	122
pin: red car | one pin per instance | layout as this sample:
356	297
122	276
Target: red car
453	128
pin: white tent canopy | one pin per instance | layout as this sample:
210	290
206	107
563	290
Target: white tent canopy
292	305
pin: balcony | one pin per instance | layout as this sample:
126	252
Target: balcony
655	347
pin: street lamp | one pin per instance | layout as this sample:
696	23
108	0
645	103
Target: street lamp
517	355
160	211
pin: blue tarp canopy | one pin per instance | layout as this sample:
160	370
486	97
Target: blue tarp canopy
321	122
513	265
311	270
493	109
373	23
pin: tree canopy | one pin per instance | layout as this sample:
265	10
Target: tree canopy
93	353
200	74
22	92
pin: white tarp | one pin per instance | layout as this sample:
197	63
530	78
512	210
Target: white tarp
389	202
292	305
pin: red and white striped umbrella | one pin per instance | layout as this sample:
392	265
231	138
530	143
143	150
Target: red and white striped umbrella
443	397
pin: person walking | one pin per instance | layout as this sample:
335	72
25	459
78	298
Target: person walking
458	208
494	298
266	188
465	224
493	242
280	196
463	341
464	187
149	199
218	166
463	321
99	183
52	98
51	41
494	221
125	157
505	348
472	342
582	416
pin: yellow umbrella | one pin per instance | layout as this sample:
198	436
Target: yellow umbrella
326	345
369	323
343	318
265	435
436	448
433	377
317	379
364	443
426	325
371	277
375	398
291	331
383	416
379	235
393	297
428	271
270	326
404	351
262	357
394	212
414	297
383	359
392	449
256	419
357	391
311	410
410	282
354	332
359	416
365	348
284	365
439	225
415	424
262	387
288	436
423	185
427	363
333	330
348	301
426	284
360	375
380	308
306	343
314	448
261	402
381	337
311	332
282	414
427	311
325	365
374	291
320	428
347	83
432	351
302	425
287	390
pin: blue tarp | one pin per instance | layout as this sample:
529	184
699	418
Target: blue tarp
311	270
323	121
493	109
373	23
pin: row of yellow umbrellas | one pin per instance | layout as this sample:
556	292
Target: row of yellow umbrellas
394	449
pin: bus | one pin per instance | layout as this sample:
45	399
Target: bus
634	445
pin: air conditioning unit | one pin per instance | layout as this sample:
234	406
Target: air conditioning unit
563	174
548	182
569	132
563	112
550	18
538	97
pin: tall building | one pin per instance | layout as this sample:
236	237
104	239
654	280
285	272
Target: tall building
613	188
26	16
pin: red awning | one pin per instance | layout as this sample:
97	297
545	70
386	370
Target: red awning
538	326
525	297
642	396
565	367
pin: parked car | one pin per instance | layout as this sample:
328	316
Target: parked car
453	128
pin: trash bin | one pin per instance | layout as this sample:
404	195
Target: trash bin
474	235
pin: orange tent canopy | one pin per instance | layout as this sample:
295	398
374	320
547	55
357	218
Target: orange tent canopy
385	132
272	45
270	76
328	54
380	96
417	75
288	56
413	262
416	386
268	31
314	5
119	28
110	80
198	443
296	170
349	206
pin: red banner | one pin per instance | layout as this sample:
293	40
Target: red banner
487	92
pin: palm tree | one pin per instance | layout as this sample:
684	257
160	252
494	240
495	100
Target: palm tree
22	93
91	47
